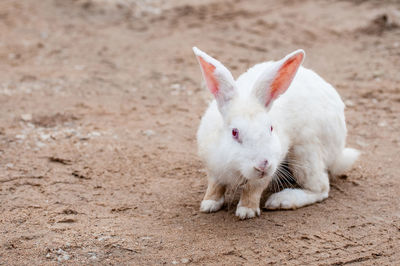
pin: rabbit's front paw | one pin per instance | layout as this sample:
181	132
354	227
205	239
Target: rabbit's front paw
211	205
246	213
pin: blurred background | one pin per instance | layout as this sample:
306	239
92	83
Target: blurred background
99	106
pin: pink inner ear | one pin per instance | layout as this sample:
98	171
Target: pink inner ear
208	71
284	77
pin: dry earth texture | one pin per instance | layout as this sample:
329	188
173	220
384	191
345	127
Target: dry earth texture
99	106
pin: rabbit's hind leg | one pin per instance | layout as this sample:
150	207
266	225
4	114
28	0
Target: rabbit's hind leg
310	173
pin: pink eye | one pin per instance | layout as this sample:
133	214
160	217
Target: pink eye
272	128
235	133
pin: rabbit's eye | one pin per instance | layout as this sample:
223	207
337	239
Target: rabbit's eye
272	128
235	133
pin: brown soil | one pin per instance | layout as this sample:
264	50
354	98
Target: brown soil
100	102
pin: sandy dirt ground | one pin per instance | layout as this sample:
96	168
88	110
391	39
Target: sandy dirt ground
99	107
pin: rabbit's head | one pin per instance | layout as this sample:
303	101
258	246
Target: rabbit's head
250	142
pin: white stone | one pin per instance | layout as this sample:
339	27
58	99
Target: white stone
102	238
40	144
349	103
20	136
95	134
176	86
382	124
44	136
149	132
26	117
361	143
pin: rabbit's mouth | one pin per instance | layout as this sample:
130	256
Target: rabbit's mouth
260	173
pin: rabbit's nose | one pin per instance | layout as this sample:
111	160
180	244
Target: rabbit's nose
262	166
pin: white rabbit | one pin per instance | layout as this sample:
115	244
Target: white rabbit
271	115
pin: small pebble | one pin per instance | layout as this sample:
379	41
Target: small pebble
377	74
60	251
361	143
20	136
102	238
63	258
40	144
44	136
63	255
92	255
349	103
95	134
26	117
149	132
382	124
175	86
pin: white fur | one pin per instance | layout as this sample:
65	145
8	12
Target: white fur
246	213
293	199
344	161
211	205
309	129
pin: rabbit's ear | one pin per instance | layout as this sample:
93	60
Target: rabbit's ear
273	83
218	78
